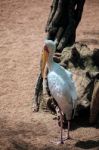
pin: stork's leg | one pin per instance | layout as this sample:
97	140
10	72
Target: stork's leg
68	129
61	140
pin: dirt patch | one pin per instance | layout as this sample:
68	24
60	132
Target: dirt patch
21	38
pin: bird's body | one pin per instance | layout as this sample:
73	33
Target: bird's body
60	83
62	88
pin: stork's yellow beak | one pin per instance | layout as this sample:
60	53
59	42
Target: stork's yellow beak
44	59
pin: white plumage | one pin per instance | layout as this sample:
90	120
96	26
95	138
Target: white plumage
60	83
62	89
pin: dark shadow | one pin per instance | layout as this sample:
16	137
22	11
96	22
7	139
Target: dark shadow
97	124
81	120
78	63
23	136
17	134
95	57
24	129
88	144
76	59
22	145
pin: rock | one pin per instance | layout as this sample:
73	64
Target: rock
94	107
75	58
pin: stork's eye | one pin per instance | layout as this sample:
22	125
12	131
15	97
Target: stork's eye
46	49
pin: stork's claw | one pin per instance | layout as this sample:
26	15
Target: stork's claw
58	142
62	142
66	138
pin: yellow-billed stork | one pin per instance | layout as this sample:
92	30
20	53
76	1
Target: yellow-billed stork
60	83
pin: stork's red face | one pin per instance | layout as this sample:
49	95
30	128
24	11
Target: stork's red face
44	58
46	48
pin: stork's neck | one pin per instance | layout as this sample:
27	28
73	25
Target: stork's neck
50	61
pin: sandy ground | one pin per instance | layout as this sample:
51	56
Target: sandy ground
21	38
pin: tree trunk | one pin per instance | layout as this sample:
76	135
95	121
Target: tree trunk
63	20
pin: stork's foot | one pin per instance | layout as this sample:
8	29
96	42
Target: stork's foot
58	142
68	138
61	141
